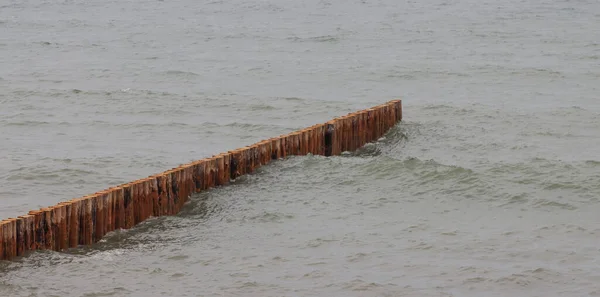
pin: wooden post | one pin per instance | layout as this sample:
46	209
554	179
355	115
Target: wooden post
8	232
26	232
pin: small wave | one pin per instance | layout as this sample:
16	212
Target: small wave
527	277
552	134
246	285
30	173
315	274
322	38
592	57
367	151
438	107
55	81
293	99
262	107
544	203
422	246
562	186
46	43
118	291
237	36
592	163
542	72
360	285
475	280
404	76
269	217
28	123
180	73
318	242
413	75
356	257
516	199
249	127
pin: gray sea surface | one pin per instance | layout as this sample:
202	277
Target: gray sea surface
489	187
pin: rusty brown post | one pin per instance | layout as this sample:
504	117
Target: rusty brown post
100	221
212	172
262	152
181	188
269	151
350	133
189	181
153	196
8	231
357	130
38	234
247	156
87	225
330	137
127	206
381	122
147	199
199	175
297	136
346	138
175	191
169	191
220	170
109	205
142	192
48	232
251	157
307	141
343	134
161	188
227	168
55	216
233	164
354	131
318	140
291	142
275	148
136	204
65	225
363	127
73	210
26	233
384	117
20	236
280	147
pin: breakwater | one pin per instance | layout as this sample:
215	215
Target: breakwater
85	220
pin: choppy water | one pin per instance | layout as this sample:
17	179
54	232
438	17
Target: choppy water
490	186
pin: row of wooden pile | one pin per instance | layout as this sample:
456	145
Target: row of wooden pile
85	220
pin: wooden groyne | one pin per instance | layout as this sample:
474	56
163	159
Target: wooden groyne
85	220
